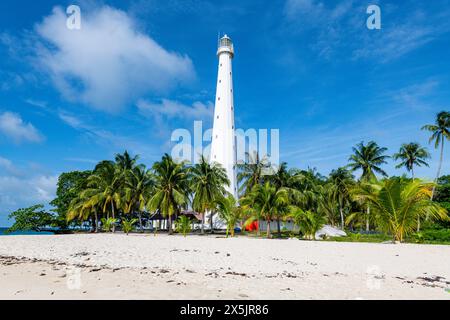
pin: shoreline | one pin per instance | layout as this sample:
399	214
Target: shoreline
106	266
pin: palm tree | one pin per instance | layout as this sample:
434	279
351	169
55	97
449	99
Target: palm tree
252	172
411	154
208	181
369	159
286	179
105	188
308	222
266	202
398	203
342	181
440	132
125	161
171	190
139	186
229	212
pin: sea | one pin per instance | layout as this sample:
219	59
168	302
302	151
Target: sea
22	233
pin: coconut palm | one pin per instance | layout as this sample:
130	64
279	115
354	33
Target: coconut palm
283	178
440	132
327	204
308	222
127	225
397	203
252	172
105	188
139	186
208	182
171	188
411	154
125	162
342	180
183	225
369	159
266	202
229	212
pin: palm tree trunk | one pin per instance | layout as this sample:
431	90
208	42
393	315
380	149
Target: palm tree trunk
412	173
113	216
170	225
96	220
140	221
203	222
211	224
368	219
439	168
268	229
418	223
342	216
278	227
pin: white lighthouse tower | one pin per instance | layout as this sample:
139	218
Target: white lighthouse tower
223	147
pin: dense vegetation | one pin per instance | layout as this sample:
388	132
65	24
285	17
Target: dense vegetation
125	194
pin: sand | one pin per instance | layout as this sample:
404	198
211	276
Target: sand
107	266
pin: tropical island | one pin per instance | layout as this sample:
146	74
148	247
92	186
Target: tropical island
123	195
126	231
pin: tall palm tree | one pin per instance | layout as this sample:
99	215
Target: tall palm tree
266	202
342	180
283	178
440	132
369	159
139	186
208	181
411	154
252	172
398	203
125	161
105	188
172	188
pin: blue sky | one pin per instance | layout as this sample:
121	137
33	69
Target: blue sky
137	70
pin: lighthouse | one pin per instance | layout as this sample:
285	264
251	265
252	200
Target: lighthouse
223	146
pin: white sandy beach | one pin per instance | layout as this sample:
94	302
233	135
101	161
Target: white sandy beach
107	266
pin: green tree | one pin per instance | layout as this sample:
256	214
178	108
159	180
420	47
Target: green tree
171	189
369	159
208	183
70	185
440	132
139	187
308	222
229	212
266	202
34	218
183	225
342	180
127	225
251	172
412	154
398	203
105	188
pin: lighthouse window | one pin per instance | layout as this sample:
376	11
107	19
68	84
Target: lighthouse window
217	117
220	64
218	98
220	81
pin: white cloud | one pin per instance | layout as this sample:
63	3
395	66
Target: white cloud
16	192
8	166
117	142
175	109
109	63
12	126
